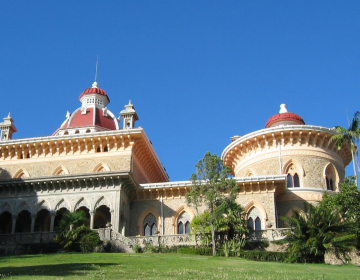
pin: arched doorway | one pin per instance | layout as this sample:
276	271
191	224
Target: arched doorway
58	217
87	214
5	222
42	221
23	222
102	217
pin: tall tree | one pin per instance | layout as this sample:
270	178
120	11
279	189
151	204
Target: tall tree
349	136
315	231
211	186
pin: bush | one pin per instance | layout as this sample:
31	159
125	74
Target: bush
264	256
195	251
89	242
149	248
39	248
137	248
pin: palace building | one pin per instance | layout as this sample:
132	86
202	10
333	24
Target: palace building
107	167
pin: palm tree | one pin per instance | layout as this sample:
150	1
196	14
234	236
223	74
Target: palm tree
231	220
349	136
315	231
75	235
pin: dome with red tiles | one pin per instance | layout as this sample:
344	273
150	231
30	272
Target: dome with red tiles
92	116
284	118
94	90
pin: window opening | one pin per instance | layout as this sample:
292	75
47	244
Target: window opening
149	224
183	224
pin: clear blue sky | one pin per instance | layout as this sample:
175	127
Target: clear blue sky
198	72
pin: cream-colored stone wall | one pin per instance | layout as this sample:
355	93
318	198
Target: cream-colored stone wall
313	167
261	201
46	167
264	202
169	206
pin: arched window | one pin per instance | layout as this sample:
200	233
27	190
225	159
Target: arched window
250	223
254	221
149	225
183	223
330	178
293	180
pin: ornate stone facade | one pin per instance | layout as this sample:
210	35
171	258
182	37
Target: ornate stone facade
114	175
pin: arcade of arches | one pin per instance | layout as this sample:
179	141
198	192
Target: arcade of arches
45	220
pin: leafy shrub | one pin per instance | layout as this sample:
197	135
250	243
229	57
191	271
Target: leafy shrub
264	256
89	242
137	248
195	251
149	248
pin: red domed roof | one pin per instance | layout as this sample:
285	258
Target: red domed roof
82	120
284	117
94	90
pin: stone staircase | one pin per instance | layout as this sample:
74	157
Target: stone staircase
115	241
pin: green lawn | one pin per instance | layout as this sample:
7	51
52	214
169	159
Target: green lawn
161	266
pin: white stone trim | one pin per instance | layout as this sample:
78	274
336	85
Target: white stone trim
237	179
314	190
274	130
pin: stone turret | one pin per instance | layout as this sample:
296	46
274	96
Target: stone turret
129	116
7	128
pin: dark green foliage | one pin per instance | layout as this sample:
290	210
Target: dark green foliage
347	204
90	241
211	187
315	231
75	236
137	248
195	251
39	248
231	222
264	256
73	219
256	245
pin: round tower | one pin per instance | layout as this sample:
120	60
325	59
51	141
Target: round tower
288	146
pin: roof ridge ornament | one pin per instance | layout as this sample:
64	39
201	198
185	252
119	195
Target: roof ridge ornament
283	109
95	84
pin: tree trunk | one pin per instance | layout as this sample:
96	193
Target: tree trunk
354	165
213	239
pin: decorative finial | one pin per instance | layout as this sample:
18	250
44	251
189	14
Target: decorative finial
283	109
130	102
9	115
95	85
96	68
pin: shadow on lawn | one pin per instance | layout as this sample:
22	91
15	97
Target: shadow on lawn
80	269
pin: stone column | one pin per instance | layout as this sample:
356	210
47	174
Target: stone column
92	215
52	220
33	218
14	218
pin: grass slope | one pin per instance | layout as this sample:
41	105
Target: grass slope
161	266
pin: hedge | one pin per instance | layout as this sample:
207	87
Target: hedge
264	256
249	255
195	251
